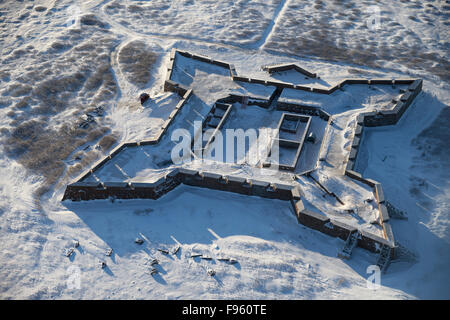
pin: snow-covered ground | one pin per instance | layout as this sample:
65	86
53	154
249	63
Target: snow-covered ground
65	63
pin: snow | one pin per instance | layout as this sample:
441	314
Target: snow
277	258
206	21
396	164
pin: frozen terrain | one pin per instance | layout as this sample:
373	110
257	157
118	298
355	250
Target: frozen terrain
70	76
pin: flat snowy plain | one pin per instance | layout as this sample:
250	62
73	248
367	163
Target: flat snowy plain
62	60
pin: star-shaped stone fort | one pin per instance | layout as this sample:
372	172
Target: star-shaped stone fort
320	136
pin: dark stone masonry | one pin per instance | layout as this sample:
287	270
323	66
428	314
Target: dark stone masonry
81	190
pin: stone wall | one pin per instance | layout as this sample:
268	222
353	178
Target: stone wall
373	119
303	109
416	83
80	190
339	229
224	106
